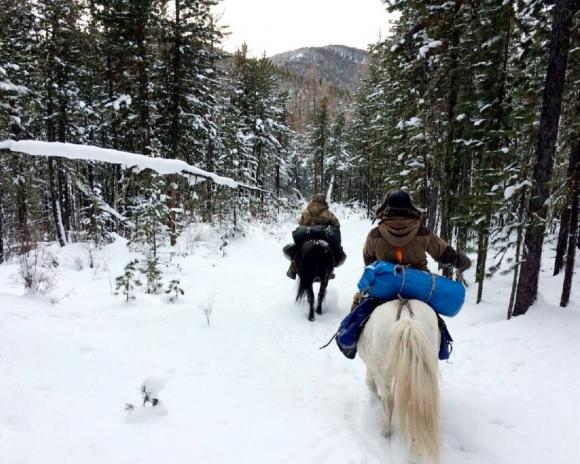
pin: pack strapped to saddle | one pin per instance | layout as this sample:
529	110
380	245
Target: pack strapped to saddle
329	234
388	281
446	345
353	324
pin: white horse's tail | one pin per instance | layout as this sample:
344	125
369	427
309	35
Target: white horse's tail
415	387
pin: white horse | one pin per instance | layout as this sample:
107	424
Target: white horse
400	345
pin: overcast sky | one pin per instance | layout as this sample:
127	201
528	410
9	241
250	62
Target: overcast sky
276	26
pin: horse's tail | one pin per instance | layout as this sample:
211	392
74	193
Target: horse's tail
313	260
305	282
413	368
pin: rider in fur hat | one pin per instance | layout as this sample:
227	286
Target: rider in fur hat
316	213
401	238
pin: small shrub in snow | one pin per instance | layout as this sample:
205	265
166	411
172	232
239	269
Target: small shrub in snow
207	309
152	273
78	263
174	290
195	233
38	271
126	283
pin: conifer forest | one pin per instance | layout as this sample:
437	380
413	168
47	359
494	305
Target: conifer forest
471	106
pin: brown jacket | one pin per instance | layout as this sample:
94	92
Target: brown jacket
318	214
405	241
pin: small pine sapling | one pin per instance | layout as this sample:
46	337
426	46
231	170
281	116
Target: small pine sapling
174	290
153	274
126	283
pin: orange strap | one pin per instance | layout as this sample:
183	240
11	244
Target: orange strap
399	255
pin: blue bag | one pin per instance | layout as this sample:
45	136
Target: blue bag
352	325
387	281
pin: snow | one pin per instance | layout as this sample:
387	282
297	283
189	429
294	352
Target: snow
445	6
8	86
127	160
509	191
429	46
122	100
491	41
253	387
410	123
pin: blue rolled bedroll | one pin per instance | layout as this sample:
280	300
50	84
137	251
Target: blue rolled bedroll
387	281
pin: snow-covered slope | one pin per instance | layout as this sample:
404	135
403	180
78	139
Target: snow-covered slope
253	387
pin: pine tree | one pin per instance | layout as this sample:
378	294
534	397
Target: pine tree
150	268
150	214
174	290
125	284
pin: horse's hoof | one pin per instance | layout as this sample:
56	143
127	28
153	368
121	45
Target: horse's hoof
319	311
311	318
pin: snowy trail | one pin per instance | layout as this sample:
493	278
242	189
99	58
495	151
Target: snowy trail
254	387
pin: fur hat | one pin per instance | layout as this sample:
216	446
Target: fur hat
398	203
319	198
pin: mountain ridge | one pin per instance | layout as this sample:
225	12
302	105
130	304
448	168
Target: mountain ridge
311	73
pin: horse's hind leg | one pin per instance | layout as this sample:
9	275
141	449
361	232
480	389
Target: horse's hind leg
389	405
310	296
370	379
321	295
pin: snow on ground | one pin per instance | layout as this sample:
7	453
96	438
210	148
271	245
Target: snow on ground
253	387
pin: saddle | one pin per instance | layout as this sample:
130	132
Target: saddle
354	323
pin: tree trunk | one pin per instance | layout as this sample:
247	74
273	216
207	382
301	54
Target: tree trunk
54	203
573	227
173	234
145	125
52	131
563	234
1	225
482	257
547	137
521	219
176	84
448	177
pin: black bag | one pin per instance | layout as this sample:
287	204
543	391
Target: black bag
289	251
329	234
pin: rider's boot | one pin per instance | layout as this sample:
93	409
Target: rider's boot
291	272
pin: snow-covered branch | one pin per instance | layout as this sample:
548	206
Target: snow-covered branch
127	160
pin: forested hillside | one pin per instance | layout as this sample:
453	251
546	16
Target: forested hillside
310	74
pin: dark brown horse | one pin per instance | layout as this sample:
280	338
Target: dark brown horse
314	262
